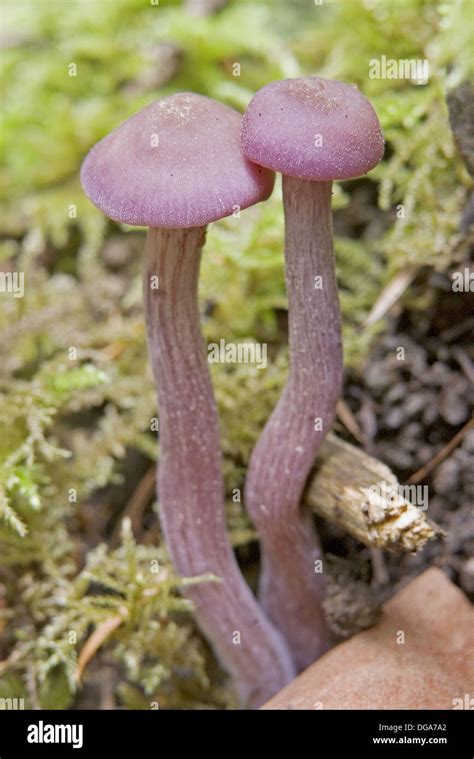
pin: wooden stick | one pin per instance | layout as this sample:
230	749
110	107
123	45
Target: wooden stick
425	470
361	495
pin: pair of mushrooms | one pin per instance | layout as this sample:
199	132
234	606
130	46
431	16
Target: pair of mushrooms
177	165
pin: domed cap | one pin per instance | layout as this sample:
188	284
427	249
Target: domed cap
176	163
312	128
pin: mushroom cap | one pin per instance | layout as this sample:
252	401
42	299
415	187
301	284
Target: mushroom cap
176	163
312	128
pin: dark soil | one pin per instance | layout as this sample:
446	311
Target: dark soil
408	411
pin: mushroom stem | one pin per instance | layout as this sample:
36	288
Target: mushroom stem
292	585
190	486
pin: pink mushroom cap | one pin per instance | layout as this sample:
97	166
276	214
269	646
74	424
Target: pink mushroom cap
312	128
176	163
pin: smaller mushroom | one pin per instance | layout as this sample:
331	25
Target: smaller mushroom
313	131
176	166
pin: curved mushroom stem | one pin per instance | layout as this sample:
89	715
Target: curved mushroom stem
190	486
292	585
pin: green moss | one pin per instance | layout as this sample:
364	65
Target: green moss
155	642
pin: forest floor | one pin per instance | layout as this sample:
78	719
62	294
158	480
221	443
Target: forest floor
410	412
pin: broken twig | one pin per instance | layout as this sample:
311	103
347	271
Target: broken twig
360	494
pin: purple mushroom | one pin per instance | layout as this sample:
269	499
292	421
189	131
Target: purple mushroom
176	166
313	131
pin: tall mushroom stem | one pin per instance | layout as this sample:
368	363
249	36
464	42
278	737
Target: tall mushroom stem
190	486
292	584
